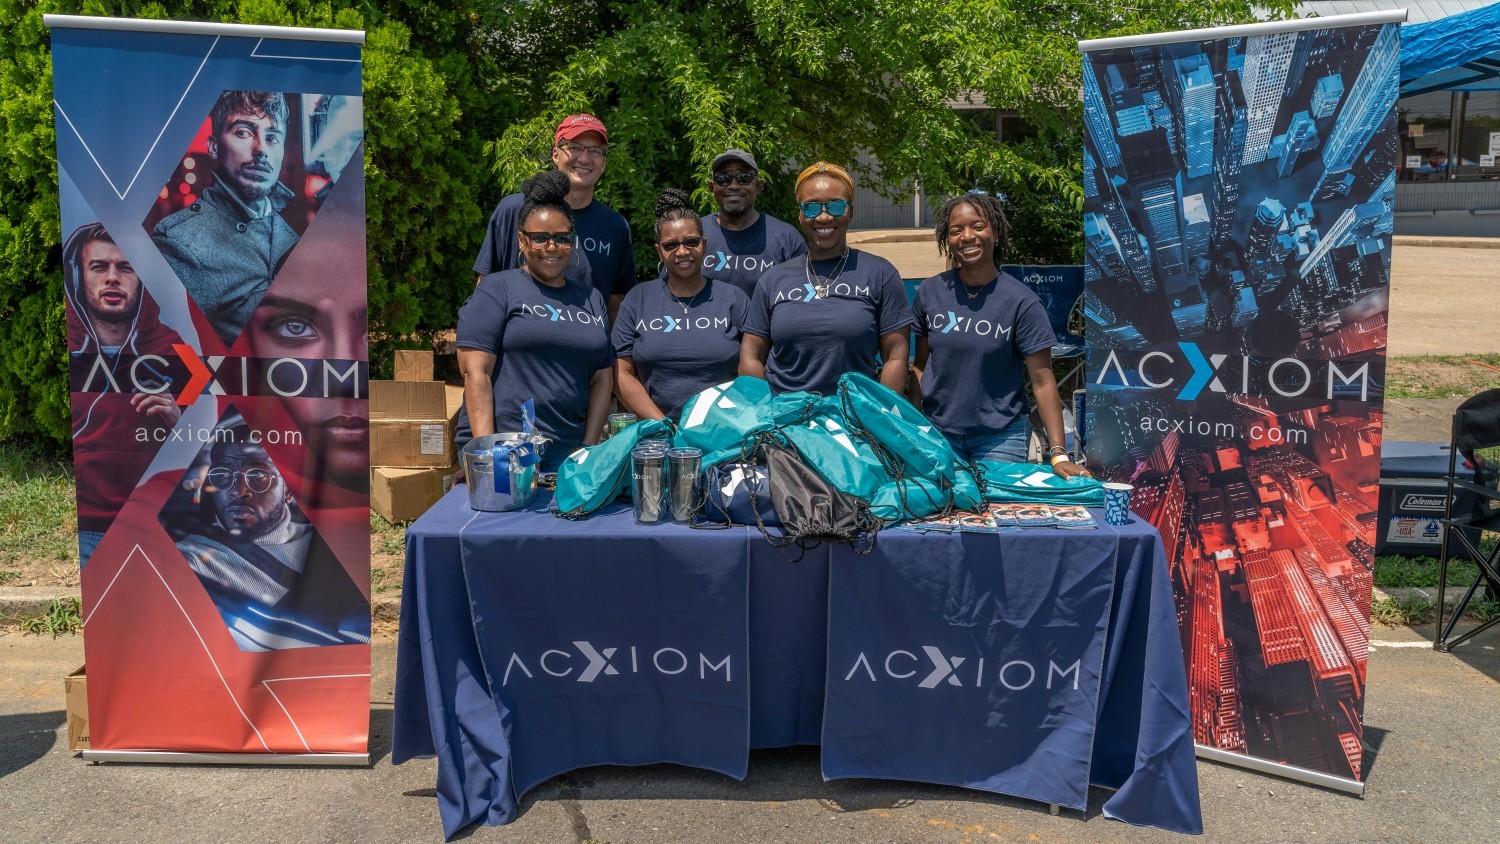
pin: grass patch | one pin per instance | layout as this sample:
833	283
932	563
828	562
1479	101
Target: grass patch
386	538
1483	609
1441	376
1413	609
38	515
381	581
63	615
7	576
1393	572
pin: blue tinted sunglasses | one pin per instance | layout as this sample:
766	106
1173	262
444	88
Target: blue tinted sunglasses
834	207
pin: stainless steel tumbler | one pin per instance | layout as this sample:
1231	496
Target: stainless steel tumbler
648	482
684	479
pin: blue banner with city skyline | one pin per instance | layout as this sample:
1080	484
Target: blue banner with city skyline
1238	219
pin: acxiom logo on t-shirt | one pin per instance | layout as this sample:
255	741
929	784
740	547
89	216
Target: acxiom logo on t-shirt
951	322
726	261
554	314
808	292
667	324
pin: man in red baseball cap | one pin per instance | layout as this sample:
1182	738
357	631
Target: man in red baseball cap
579	150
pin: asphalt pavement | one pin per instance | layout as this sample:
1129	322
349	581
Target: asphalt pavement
1430	740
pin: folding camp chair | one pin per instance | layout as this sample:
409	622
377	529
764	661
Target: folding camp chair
1476	438
1061	290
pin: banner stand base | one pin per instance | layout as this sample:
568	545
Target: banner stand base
1290	772
172	757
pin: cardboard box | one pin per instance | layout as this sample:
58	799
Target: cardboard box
400	495
455	396
410	425
413	365
75	692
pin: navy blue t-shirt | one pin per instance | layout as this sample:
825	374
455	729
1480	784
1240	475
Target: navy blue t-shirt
818	335
742	257
975	379
549	343
677	355
603	238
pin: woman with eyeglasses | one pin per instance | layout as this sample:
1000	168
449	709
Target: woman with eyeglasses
530	333
980	334
677	335
836	310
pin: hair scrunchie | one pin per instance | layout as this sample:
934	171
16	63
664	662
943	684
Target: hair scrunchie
824	168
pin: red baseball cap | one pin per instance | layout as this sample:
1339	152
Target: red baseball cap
576	125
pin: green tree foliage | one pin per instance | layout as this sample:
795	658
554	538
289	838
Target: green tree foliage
429	86
461	99
801	80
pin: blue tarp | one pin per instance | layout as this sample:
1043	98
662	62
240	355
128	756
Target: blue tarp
1457	53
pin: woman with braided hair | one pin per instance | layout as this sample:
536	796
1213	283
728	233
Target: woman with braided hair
980	333
832	311
531	333
679	334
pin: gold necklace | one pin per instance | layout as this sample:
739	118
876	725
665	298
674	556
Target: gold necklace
974	294
838	270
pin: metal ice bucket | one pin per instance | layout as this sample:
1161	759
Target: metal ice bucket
480	469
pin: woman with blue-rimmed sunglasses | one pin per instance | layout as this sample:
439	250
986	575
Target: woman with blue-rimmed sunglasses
832	311
532	333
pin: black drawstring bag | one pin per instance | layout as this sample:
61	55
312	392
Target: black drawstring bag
812	510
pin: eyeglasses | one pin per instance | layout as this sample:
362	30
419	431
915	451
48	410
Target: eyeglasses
564	240
723	179
579	150
256	480
834	207
689	242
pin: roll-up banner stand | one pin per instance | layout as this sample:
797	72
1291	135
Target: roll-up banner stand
1238	213
211	182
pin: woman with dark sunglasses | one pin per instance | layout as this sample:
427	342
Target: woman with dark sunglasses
980	333
837	310
680	334
530	333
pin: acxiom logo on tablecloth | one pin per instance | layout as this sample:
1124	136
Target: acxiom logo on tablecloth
587	663
938	669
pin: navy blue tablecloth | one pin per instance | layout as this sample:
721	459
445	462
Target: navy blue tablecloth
502	671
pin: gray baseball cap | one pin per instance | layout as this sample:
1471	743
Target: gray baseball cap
729	155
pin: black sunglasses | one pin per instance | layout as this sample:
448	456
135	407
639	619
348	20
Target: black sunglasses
563	240
723	179
689	242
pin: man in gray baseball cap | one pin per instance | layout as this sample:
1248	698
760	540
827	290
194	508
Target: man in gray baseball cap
742	242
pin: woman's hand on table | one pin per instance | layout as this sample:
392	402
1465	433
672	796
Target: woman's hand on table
1066	469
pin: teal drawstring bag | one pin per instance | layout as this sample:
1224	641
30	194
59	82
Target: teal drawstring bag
593	476
719	420
1030	483
830	449
906	442
909	498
